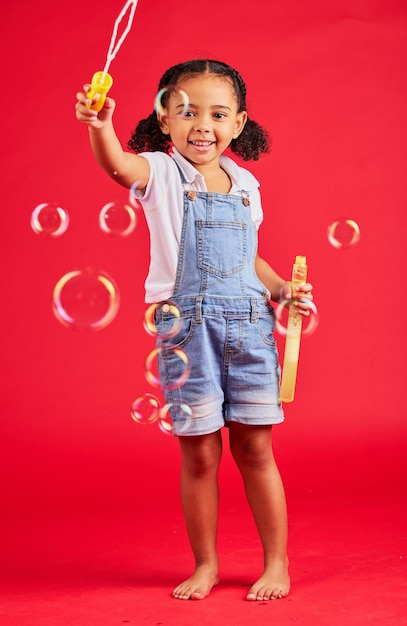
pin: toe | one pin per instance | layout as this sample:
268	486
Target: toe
197	595
268	594
181	594
255	595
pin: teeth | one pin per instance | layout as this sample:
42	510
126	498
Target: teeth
202	143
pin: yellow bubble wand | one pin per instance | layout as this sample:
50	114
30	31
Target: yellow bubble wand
102	81
293	337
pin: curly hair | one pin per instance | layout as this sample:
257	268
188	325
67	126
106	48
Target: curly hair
249	145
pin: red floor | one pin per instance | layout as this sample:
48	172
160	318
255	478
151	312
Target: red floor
348	566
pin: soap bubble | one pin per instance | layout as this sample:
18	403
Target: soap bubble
181	100
155	195
343	233
165	420
181	363
49	219
117	219
86	299
183	412
172	314
308	323
133	197
145	409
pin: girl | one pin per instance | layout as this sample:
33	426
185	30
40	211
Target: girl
203	212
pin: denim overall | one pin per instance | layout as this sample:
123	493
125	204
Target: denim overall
226	322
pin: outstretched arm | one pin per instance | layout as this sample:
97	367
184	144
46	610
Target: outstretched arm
124	167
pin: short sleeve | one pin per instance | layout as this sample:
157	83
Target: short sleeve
256	208
161	172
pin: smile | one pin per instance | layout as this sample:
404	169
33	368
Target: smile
204	144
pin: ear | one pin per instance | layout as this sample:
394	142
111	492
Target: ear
241	120
162	121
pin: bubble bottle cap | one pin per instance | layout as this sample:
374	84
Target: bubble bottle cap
301	260
100	84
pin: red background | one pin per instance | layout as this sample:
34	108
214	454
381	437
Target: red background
327	79
328	82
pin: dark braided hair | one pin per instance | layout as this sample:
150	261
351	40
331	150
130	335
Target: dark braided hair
249	145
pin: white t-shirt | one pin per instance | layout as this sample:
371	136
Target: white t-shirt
163	204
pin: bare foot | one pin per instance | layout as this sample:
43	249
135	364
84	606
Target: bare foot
272	585
199	585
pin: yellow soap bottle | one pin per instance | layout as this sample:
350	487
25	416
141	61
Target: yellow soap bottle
293	338
100	84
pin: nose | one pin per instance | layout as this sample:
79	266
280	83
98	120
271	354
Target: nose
201	125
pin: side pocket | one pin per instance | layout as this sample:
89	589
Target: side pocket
181	338
266	327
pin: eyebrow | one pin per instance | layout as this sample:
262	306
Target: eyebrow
194	106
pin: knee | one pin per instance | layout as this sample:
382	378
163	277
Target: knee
201	460
252	454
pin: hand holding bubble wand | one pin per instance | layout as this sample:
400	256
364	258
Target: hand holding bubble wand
102	81
293	333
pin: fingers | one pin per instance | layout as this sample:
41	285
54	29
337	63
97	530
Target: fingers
299	296
302	298
303	307
83	112
303	291
286	291
82	96
289	291
88	115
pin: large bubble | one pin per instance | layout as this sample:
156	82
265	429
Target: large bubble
86	299
308	323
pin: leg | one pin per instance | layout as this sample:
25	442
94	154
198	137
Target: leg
199	495
252	451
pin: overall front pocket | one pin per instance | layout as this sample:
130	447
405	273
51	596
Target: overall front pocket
222	246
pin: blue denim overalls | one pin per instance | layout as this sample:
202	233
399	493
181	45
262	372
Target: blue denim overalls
226	322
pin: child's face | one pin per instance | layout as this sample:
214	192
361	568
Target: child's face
205	129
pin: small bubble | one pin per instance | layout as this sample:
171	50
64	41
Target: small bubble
170	315
165	420
180	366
180	104
154	199
183	415
145	409
133	195
117	219
343	233
49	219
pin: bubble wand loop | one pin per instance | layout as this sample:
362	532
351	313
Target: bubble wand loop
115	47
293	339
102	81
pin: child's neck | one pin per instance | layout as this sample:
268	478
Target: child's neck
216	179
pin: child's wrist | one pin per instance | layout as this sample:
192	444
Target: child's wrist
285	286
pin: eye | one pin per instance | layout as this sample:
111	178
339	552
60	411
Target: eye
219	115
186	113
